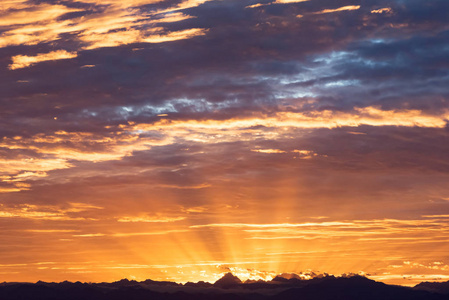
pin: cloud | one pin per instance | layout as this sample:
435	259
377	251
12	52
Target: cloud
269	151
381	10
23	61
360	230
288	1
11	166
50	231
275	2
157	219
156	35
24	14
95	26
10	189
46	212
58	150
130	234
349	7
283	225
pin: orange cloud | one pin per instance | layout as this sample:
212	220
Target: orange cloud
275	2
10	190
119	24
316	119
381	10
174	36
255	5
23	61
376	230
173	17
43	212
157	219
24	14
131	234
38	165
268	151
349	7
127	137
50	231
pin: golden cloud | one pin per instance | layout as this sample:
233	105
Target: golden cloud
269	151
31	14
349	7
119	24
44	212
131	234
37	165
381	10
289	1
145	219
23	61
377	230
127	137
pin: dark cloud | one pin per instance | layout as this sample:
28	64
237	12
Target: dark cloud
242	47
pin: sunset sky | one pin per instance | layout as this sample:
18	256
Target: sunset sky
182	139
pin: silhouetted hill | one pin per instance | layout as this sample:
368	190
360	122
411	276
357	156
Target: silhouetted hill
354	288
228	281
199	284
436	287
229	287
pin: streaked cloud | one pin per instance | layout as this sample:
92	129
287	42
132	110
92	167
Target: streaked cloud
130	234
363	230
269	151
46	212
23	61
289	1
275	2
283	225
381	10
14	166
52	152
343	8
27	14
320	119
110	26
157	219
50	231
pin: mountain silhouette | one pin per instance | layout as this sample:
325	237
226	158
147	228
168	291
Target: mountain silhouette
229	287
436	287
228	281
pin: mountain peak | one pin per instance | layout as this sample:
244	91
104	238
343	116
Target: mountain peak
227	281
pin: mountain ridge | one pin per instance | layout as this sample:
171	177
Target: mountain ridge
228	287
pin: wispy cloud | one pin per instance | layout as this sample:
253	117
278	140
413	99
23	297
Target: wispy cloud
130	234
117	23
362	230
269	151
381	10
46	212
156	219
23	61
344	8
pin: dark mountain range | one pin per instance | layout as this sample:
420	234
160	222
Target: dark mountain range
229	287
436	287
228	281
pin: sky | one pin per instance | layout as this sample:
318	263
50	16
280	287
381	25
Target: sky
182	139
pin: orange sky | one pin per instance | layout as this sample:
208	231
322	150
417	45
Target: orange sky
146	139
